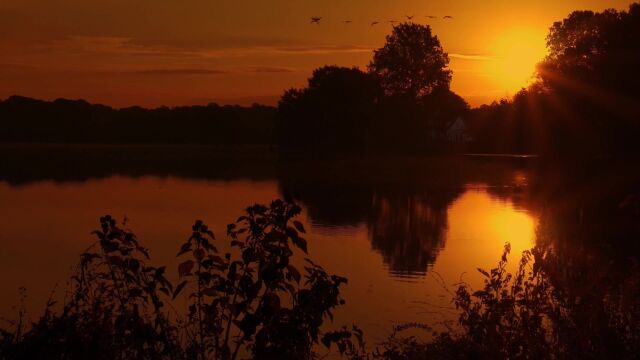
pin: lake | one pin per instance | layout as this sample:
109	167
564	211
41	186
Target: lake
404	229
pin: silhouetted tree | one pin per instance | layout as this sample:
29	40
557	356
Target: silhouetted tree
412	62
332	113
598	50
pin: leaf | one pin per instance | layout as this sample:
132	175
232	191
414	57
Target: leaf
290	288
237	243
299	226
326	340
294	272
300	243
483	272
160	271
185	248
179	288
216	259
185	268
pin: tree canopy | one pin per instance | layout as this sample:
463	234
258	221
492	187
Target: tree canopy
332	113
412	62
598	52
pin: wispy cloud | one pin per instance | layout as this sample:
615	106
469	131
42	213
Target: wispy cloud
269	69
129	47
16	66
324	49
477	57
178	72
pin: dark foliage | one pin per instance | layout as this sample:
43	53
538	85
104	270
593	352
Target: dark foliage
76	121
345	110
412	62
335	111
114	310
252	298
524	316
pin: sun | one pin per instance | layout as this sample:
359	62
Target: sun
514	55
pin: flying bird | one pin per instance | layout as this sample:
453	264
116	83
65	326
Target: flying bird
431	17
410	17
447	17
347	21
316	20
375	23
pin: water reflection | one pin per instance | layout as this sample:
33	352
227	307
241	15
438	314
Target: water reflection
408	230
403	204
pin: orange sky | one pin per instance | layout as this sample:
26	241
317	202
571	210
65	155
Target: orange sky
182	52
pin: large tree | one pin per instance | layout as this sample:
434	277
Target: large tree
595	52
593	69
412	62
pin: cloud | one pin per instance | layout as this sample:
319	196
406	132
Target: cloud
113	46
204	71
16	66
324	49
130	47
477	57
269	69
178	72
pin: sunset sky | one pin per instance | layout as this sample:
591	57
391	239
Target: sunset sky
184	52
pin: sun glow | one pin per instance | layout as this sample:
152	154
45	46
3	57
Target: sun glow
515	54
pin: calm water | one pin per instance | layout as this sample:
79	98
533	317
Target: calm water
404	231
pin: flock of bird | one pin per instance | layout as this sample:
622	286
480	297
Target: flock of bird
316	19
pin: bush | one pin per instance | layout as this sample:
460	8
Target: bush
257	299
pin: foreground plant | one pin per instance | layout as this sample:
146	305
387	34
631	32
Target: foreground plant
257	300
524	316
114	308
251	299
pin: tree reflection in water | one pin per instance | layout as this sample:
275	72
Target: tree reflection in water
409	229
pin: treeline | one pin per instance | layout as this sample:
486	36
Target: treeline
586	98
77	121
402	101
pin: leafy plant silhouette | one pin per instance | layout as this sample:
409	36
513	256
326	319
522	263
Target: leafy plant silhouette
252	297
254	301
258	300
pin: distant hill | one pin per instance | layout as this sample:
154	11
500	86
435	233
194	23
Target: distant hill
24	119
